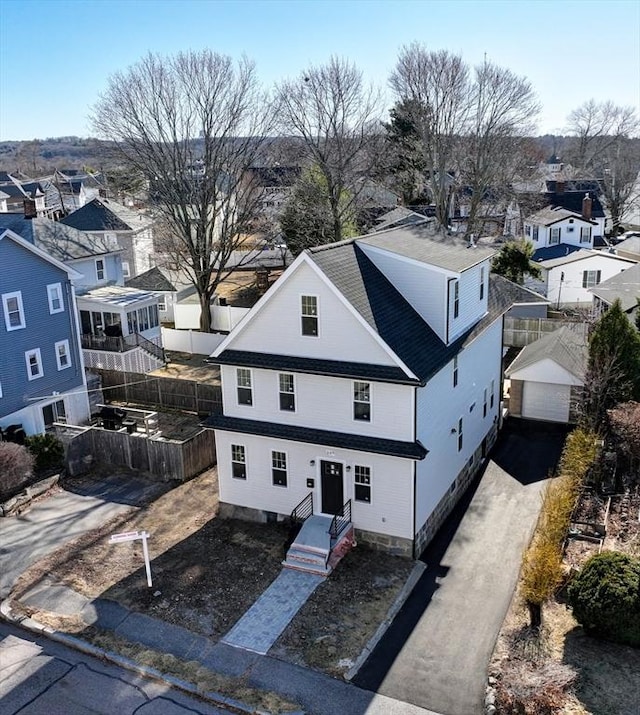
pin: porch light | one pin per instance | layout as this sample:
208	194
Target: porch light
312	462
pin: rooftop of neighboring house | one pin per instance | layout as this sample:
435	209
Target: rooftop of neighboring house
106	215
153	279
566	346
509	292
32	189
630	245
62	242
550	253
280	176
3	195
579	255
624	286
117	296
399	216
552	214
572	201
421	242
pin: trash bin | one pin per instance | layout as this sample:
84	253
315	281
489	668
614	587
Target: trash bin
130	425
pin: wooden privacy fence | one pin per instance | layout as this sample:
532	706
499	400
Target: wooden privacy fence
519	332
161	392
165	459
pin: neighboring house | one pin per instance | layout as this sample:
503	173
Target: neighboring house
369	375
566	279
169	288
629	248
555	226
3	202
77	187
547	377
42	378
525	303
120	326
274	185
132	229
399	216
625	287
571	194
36	198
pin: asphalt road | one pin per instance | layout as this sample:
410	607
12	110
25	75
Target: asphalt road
52	522
40	677
437	651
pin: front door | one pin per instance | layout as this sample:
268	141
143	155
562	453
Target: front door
332	488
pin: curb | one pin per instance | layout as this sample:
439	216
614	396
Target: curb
78	644
418	569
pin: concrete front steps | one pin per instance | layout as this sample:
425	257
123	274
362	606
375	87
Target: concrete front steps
312	551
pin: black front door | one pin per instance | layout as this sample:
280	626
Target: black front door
332	489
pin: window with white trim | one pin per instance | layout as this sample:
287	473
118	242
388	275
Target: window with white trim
527	229
287	391
13	310
590	278
101	269
162	304
535	233
63	358
309	314
456	299
362	401
554	235
279	468
243	383
460	435
238	461
585	234
362	483
54	295
455	371
34	364
126	272
484	403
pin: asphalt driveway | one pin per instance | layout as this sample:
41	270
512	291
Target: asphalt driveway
437	651
54	521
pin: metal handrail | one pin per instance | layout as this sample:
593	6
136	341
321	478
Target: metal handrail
302	511
122	344
340	521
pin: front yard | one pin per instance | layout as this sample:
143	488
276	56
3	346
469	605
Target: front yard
207	572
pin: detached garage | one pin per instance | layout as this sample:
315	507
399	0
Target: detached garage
547	377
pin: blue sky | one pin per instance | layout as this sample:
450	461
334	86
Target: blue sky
56	55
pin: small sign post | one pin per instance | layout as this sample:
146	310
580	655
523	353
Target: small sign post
133	536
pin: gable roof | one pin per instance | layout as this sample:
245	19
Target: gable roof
8	234
62	242
552	214
153	279
579	255
631	245
572	201
421	243
566	346
509	292
624	286
96	216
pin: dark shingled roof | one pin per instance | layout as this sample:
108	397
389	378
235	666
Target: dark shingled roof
95	216
505	291
550	253
572	201
314	366
153	279
624	286
361	443
566	346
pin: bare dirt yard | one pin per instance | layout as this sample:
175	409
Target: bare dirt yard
209	571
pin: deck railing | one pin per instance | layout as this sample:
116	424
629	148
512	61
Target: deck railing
122	344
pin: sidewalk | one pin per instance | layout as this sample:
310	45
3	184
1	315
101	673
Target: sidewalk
317	693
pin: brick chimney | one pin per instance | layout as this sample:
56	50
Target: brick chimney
586	207
30	208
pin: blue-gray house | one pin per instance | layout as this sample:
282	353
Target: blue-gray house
42	378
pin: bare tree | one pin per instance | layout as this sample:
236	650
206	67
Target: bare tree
191	123
337	117
436	82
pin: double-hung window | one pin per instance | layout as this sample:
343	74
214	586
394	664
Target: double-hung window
287	392
243	382
101	269
362	486
456	299
484	403
63	358
238	461
585	234
455	371
460	435
54	294
590	278
362	401
309	314
492	396
34	364
13	310
535	232
279	468
555	236
482	283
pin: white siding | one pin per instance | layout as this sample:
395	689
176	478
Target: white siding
440	406
569	232
569	290
546	370
471	308
424	287
76	403
324	403
390	510
275	328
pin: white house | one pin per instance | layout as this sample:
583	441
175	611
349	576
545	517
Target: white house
625	287
552	226
547	377
566	280
369	375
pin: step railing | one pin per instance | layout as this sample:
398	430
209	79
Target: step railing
302	511
340	521
148	345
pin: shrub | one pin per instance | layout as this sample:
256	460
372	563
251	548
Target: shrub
47	450
605	597
16	467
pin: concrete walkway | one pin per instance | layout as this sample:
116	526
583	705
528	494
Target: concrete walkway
261	625
436	653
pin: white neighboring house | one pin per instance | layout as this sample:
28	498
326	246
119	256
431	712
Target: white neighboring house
553	226
547	377
629	248
625	287
370	372
566	280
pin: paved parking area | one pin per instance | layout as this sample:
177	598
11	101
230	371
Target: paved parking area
437	651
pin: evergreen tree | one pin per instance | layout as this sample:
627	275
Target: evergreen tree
514	261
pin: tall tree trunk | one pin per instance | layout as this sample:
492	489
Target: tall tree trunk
205	313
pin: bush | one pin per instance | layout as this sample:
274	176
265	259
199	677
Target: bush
16	468
605	597
47	450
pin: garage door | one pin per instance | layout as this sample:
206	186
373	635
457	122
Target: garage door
544	401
